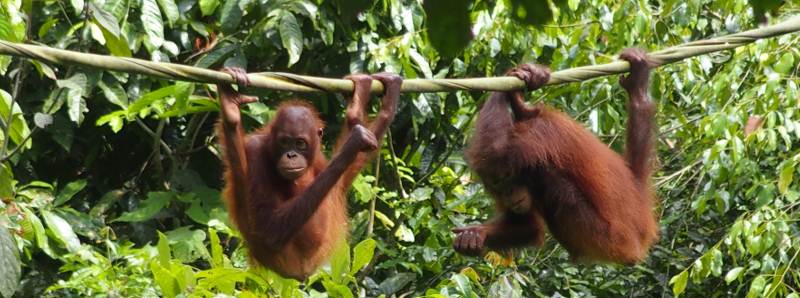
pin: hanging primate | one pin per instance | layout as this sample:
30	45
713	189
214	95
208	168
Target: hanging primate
543	167
285	198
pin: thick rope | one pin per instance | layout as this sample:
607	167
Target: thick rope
299	83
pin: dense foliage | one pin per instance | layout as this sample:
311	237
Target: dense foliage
110	181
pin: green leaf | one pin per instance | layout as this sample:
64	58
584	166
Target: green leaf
105	19
291	37
757	287
114	92
532	12
78	81
340	261
362	255
463	284
153	24
165	279
733	274
77	5
7	181
118	46
573	4
163	249
163	273
787	174
231	16
44	69
19	129
155	202
69	191
678	283
216	56
170	10
39	232
765	195
760	7
187	244
504	287
403	233
385	220
118	8
396	282
146	100
216	249
76	106
448	26
207	7
10	270
113	119
337	290
62	231
785	63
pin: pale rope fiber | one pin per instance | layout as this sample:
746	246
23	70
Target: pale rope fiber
300	83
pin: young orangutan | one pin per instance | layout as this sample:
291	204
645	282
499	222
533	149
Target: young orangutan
285	198
542	167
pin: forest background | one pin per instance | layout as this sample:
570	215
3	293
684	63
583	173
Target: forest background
110	181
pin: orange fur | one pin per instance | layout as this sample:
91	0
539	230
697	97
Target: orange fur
312	245
543	167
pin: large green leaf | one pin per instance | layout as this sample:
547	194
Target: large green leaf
679	282
362	254
291	36
340	262
40	234
114	92
76	105
396	282
10	270
533	12
7	181
117	45
230	16
77	5
62	231
105	19
18	129
448	25
207	7
170	10
153	24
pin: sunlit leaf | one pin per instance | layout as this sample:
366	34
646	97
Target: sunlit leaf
62	231
786	176
362	254
170	10
207	7
340	261
757	287
678	283
106	20
153	24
